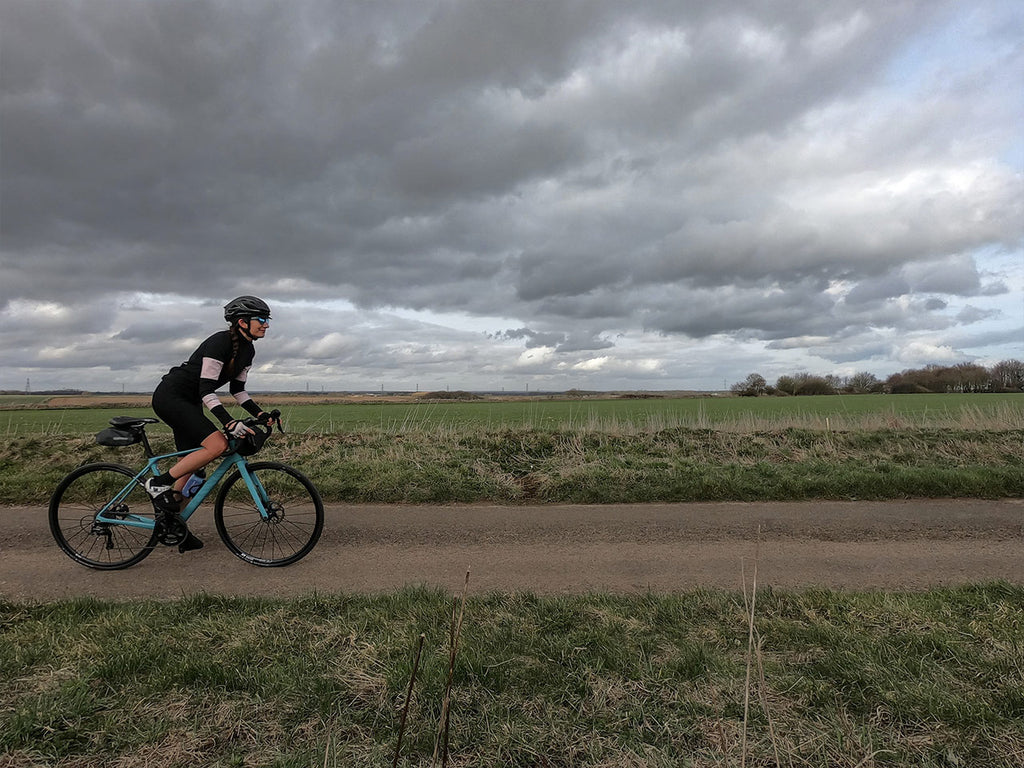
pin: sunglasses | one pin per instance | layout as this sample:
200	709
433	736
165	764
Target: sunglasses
261	320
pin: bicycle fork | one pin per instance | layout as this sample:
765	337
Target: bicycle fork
266	508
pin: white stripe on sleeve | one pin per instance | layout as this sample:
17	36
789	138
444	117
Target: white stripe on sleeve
211	369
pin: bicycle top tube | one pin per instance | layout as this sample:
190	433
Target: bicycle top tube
152	462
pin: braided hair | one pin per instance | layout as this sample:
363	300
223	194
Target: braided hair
235	339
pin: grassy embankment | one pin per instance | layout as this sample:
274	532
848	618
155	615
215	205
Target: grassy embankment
867	447
836	679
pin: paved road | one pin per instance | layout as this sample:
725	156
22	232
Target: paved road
558	549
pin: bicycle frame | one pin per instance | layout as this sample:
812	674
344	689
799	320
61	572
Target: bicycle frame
152	468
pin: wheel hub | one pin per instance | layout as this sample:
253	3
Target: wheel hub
275	512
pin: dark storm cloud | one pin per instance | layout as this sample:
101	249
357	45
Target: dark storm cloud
773	313
576	168
872	290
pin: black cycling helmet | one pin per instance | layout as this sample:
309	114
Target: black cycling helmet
245	307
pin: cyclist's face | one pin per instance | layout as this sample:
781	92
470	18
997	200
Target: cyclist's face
256	327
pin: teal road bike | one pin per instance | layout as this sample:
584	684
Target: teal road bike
266	513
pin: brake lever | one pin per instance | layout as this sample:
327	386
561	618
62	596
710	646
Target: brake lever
275	415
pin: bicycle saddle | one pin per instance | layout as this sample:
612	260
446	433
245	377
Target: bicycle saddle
131	422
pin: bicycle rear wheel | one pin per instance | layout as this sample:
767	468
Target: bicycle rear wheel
295	515
75	505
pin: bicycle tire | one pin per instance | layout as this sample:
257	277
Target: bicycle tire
77	501
296	516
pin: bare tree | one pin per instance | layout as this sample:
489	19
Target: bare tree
753	386
786	384
862	383
1008	376
809	384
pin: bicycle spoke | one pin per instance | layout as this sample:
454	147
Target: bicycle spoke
103	544
287	528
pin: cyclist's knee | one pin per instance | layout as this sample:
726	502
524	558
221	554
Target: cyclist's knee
216	444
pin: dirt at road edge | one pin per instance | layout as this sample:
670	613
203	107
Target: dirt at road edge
565	549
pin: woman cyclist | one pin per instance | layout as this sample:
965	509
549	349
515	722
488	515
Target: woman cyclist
224	358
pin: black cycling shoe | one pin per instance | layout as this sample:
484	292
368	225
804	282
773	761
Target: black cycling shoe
190	543
171	529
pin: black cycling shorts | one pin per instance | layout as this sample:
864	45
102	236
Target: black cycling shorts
185	417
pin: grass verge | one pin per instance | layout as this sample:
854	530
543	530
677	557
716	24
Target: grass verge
844	679
569	465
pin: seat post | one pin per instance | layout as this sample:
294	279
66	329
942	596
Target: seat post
145	443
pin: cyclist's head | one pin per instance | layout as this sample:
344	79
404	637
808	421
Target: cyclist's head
244	311
245	307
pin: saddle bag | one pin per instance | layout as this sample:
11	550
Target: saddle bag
116	438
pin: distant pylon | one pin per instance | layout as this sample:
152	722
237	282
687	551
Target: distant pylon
28	385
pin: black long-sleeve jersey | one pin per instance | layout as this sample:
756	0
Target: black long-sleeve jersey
209	368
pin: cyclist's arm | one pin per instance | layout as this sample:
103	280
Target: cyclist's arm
243	398
211	376
208	379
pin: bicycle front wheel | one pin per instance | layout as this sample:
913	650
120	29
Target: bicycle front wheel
106	546
294	516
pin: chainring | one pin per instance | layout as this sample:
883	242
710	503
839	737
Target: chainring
170	530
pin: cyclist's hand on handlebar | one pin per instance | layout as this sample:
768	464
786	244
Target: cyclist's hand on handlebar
238	428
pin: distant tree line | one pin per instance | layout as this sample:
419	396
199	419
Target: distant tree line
1005	376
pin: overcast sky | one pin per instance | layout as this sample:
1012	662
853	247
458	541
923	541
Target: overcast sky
482	195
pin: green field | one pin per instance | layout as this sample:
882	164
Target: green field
594	451
999	411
